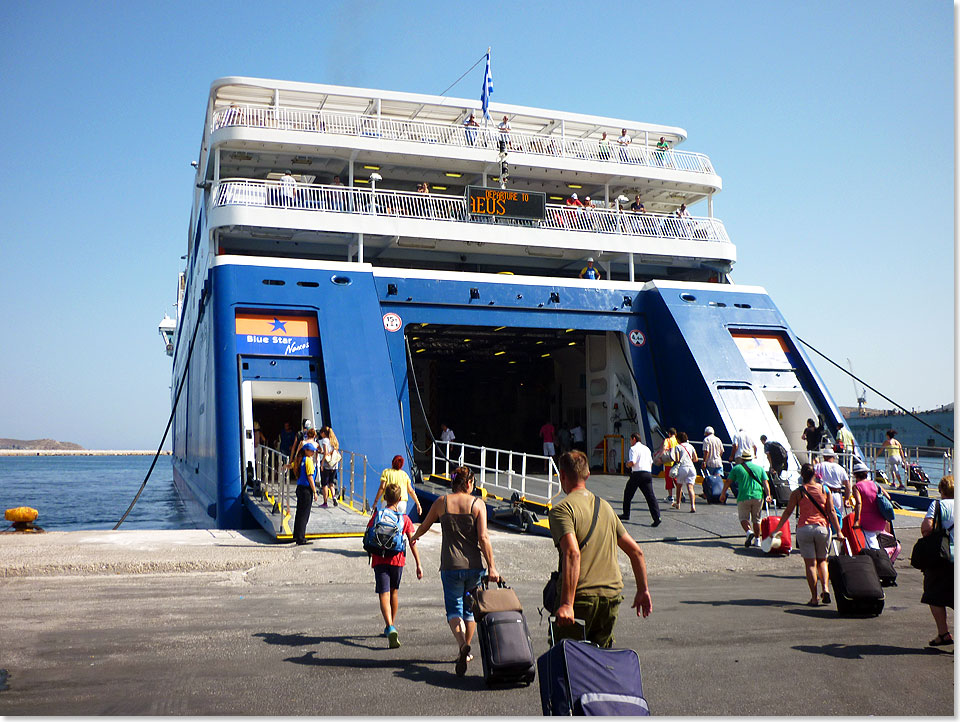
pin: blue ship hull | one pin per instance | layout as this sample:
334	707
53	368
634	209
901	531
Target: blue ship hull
681	341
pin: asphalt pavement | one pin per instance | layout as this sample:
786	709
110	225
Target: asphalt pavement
231	623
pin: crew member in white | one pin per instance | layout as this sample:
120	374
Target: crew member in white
640	478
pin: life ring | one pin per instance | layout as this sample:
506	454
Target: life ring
23	514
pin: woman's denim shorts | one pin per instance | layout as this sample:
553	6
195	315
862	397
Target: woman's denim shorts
456	582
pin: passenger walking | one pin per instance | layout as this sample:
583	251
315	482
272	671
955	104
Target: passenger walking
288	437
686	471
866	515
812	434
776	457
813	535
712	452
845	440
306	490
938	581
547	433
396	475
464	545
743	440
752	489
640	463
591	587
893	450
388	570
301	437
834	477
330	450
665	460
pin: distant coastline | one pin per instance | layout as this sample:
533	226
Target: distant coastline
80	452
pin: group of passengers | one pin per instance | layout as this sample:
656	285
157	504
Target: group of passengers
822	499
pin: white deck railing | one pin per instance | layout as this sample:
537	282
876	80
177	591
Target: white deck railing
456	135
499	471
429	206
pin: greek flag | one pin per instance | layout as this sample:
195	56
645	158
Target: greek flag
487	89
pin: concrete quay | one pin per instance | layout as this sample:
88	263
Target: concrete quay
205	622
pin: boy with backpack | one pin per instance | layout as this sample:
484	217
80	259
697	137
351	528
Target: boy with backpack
384	541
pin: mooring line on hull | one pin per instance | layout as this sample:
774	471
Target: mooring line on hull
423	411
851	374
173	412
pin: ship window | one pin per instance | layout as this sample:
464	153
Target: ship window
688	297
340	280
308	284
718	304
273	282
742	305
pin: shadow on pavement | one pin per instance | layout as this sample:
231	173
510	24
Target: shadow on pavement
413	669
301	640
860	651
740	602
350	553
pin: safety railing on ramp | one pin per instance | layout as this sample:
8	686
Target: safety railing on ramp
501	472
273	478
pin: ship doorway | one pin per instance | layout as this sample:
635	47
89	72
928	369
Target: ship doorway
267	405
497	386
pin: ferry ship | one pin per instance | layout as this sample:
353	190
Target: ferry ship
322	283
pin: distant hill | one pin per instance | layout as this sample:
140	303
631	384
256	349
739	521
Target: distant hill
39	445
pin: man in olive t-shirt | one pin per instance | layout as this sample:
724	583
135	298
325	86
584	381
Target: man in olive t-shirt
591	584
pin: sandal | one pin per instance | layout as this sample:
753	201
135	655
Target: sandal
825	597
941	639
813	603
461	668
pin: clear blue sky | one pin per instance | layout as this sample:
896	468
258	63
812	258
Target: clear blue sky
830	123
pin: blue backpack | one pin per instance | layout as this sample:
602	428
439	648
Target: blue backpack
385	536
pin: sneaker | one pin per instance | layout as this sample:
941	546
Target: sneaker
323	505
756	542
335	503
656	523
394	638
749	541
386	630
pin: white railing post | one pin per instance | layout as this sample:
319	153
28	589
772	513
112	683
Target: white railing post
483	466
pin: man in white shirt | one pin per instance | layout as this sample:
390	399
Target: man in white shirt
834	477
712	452
576	437
640	478
623	141
446	433
743	440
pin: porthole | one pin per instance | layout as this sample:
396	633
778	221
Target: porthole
273	282
308	284
340	280
742	305
688	297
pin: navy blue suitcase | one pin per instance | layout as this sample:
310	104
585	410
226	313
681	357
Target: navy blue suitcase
712	486
579	678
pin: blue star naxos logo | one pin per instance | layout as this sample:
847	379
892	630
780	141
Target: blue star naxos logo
279	325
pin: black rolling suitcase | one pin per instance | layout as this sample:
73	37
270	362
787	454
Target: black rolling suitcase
505	649
780	491
856	584
883	565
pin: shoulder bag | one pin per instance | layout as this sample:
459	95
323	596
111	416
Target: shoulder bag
551	591
933	550
885	506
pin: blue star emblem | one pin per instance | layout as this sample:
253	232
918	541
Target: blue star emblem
279	325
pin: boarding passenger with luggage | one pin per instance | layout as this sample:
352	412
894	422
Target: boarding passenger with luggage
712	466
834	477
464	546
752	489
813	532
866	512
938	586
587	532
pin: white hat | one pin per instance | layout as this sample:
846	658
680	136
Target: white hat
746	454
828	452
708	430
307	424
573	195
861	468
590	260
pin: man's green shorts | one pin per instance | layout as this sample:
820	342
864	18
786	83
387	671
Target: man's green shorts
599	615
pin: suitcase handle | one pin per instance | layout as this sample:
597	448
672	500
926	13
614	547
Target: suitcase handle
485	582
552	619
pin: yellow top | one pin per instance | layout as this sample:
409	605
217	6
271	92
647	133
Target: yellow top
398	477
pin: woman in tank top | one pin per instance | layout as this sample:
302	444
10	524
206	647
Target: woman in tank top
464	545
813	530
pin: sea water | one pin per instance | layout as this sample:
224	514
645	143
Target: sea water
92	492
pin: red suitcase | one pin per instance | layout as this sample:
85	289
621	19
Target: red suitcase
854	536
767	525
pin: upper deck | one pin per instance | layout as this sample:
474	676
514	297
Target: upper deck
357	157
